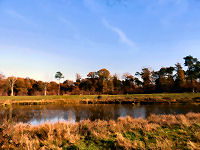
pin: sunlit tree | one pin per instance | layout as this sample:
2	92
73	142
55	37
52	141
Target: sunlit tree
147	79
59	76
191	72
180	79
11	82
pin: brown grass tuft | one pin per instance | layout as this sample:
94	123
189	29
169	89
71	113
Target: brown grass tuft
156	132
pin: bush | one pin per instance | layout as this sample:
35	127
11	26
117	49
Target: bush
99	97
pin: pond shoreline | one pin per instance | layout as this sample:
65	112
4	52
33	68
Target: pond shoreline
182	98
155	132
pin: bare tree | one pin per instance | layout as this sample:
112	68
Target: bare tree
2	76
127	76
78	77
45	88
11	82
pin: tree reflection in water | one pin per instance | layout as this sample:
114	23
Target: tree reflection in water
38	114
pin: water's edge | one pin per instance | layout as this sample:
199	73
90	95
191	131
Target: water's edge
38	114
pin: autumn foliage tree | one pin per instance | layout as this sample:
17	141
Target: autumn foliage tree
166	79
180	79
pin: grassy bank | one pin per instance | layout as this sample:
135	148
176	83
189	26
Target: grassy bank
103	99
156	132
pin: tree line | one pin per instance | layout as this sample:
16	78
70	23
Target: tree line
172	79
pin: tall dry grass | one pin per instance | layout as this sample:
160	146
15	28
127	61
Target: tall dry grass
156	132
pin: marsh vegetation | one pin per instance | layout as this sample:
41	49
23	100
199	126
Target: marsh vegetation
155	132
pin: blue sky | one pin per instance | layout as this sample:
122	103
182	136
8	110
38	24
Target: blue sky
40	37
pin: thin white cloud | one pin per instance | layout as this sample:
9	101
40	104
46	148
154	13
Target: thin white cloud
19	16
94	6
120	33
16	14
68	23
177	10
177	2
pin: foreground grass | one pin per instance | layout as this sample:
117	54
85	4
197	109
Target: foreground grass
156	132
95	99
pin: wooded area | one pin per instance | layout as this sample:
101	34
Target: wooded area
173	79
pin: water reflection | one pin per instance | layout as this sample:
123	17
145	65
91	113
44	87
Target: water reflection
39	114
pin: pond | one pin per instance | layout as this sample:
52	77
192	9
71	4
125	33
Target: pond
38	114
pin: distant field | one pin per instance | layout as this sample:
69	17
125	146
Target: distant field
137	98
172	95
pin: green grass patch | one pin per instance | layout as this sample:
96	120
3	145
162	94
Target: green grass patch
91	99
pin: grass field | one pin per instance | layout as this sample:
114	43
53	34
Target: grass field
131	98
156	132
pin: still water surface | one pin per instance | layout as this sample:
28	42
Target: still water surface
39	114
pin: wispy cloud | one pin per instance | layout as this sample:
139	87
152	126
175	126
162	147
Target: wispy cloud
94	6
19	16
122	36
170	1
67	23
16	14
177	10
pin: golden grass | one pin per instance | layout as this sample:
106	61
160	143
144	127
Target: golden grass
103	99
156	132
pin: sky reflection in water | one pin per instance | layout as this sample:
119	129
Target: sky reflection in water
40	114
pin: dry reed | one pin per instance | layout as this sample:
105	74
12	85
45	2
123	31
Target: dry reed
156	132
